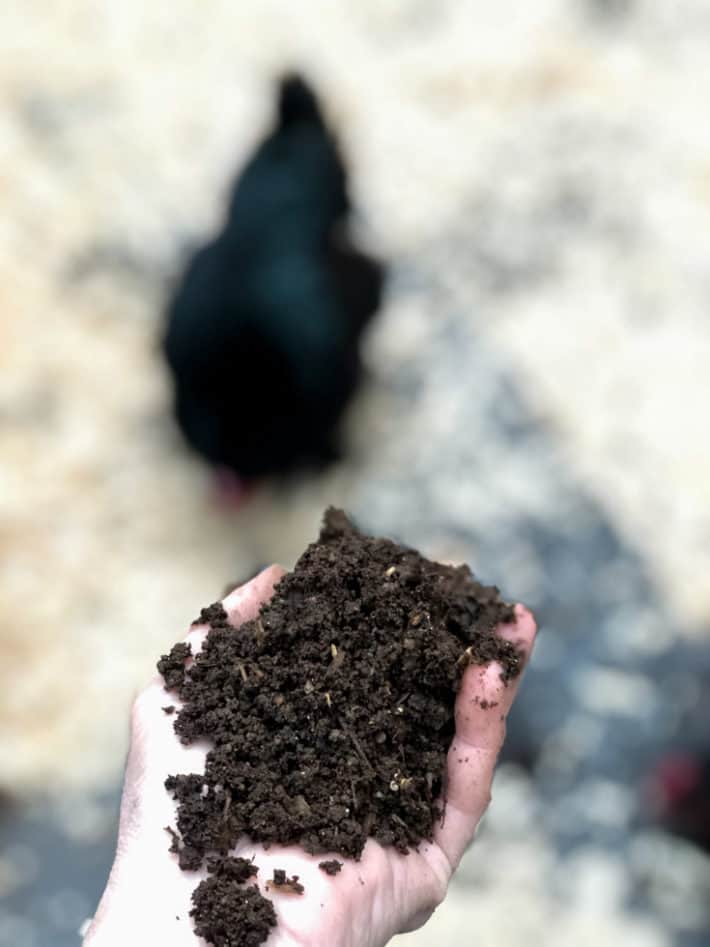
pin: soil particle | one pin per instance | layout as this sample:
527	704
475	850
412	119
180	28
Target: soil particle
331	714
233	868
211	615
485	704
331	867
172	666
281	883
230	915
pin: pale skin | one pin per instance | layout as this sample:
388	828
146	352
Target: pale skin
147	897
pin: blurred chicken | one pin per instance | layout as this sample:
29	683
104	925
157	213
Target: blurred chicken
264	328
680	796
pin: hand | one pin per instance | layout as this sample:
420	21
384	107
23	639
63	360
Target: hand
147	898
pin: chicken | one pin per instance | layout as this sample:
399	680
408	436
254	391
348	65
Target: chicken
264	328
680	796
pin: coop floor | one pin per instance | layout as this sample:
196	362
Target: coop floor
540	180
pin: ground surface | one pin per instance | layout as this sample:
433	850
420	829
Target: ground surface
541	179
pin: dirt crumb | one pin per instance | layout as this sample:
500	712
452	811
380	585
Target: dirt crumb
282	883
212	615
172	665
228	914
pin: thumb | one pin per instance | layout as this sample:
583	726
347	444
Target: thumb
482	706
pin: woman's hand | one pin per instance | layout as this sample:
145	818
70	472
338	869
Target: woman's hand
147	900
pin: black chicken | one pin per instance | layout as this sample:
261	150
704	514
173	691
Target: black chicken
264	328
679	794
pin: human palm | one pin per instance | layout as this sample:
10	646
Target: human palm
148	899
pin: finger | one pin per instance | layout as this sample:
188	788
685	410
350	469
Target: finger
521	633
484	700
482	706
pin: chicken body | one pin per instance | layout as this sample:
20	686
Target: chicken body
264	329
